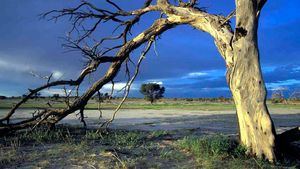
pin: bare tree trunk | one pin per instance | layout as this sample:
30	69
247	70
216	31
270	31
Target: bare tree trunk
151	100
249	93
247	85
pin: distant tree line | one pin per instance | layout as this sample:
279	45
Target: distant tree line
220	99
3	97
153	92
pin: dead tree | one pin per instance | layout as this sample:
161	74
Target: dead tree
237	45
278	96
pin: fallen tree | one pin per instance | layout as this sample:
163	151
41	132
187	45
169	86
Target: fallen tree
238	47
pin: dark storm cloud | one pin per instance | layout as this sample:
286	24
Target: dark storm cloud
204	84
283	73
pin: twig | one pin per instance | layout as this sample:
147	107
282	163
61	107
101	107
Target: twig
128	85
99	104
232	14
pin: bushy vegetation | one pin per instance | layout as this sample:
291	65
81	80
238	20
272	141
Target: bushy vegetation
152	91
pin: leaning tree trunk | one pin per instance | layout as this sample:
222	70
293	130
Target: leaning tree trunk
247	85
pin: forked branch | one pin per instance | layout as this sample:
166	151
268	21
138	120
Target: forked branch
97	53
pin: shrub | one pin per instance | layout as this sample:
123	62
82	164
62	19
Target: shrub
152	91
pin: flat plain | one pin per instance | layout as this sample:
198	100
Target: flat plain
171	133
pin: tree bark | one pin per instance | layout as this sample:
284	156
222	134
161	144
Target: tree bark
257	131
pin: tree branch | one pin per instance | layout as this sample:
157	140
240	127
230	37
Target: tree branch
213	24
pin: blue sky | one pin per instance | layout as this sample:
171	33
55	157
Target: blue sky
187	64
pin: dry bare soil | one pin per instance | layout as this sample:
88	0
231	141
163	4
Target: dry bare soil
141	138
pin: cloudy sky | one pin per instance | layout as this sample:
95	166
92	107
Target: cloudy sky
187	63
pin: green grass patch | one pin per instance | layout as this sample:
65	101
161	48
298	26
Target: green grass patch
46	136
124	139
219	151
171	154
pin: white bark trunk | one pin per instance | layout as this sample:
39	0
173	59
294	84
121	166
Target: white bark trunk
246	83
248	90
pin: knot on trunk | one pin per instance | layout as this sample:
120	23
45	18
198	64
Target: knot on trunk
240	32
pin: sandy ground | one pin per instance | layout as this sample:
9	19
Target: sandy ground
205	121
